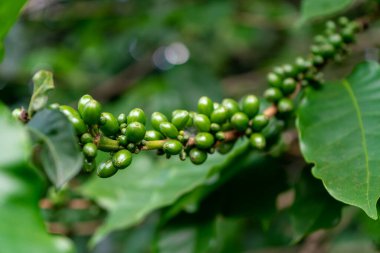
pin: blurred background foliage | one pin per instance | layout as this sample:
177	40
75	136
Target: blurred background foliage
162	55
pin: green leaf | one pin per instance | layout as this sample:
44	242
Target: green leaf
318	8
190	238
313	208
148	184
9	11
22	228
43	82
59	151
14	142
339	128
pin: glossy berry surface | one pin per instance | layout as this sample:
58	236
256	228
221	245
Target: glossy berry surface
205	106
106	169
108	124
122	159
169	130
197	156
240	121
153	135
257	141
91	112
156	119
136	115
180	119
172	147
231	106
90	150
73	116
202	122
135	132
204	140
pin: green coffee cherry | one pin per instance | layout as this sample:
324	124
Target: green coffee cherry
289	70
257	140
320	39
216	105
279	71
302	65
231	106
240	121
153	135
135	132
106	169
122	118
156	119
343	21
259	122
88	166
122	159
274	80
285	106
136	115
327	50
169	130
273	94
90	150
86	138
330	26
204	140
91	112
109	124
219	115
74	118
172	147
225	147
215	127
205	106
197	156
250	105
336	40
180	119
82	101
348	34
318	60
123	140
202	123
288	86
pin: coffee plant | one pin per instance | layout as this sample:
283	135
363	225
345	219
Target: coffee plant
289	167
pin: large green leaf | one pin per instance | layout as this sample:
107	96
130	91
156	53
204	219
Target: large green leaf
9	11
339	128
316	8
22	228
59	151
148	184
313	208
197	237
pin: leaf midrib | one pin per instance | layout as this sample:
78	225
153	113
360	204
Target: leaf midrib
50	146
351	94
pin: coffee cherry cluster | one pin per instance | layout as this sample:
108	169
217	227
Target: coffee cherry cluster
285	80
213	127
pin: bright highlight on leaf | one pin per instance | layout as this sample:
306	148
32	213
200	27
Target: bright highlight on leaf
339	129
